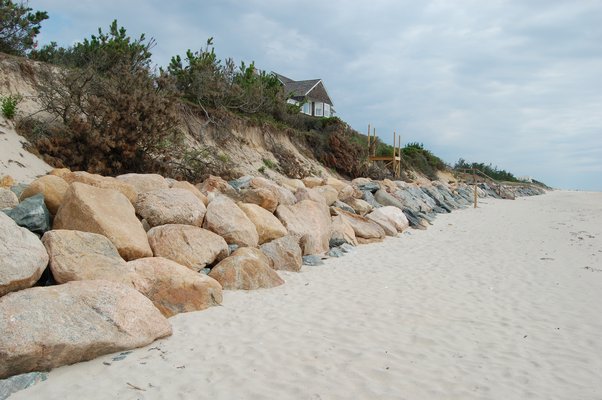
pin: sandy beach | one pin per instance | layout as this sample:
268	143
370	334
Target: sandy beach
499	302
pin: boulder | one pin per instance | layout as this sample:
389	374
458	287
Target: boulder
170	206
174	288
310	222
144	182
23	257
103	182
20	382
368	197
52	187
291	183
247	269
46	327
60	172
312	181
366	185
387	199
335	183
360	206
343	206
309	194
8	199
107	212
394	215
383	221
262	197
188	245
284	253
329	193
31	214
230	222
241	183
342	232
312	260
283	195
349	191
192	189
80	256
215	184
362	226
267	225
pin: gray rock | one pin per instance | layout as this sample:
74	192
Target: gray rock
336	252
369	198
205	271
343	206
440	210
244	182
312	260
336	242
387	199
347	248
232	248
16	383
31	214
370	187
18	189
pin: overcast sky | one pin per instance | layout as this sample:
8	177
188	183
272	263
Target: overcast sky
516	83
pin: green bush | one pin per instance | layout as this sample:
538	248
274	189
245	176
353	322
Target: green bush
8	105
19	27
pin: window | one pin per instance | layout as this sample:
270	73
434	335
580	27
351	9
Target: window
318	110
327	110
306	109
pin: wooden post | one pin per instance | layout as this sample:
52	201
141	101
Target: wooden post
394	151
474	181
399	152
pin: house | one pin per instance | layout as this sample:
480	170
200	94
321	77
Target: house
310	94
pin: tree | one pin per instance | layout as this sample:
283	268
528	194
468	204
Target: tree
19	27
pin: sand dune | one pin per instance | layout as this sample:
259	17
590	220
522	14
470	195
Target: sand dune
499	302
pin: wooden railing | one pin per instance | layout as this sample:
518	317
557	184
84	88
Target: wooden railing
474	176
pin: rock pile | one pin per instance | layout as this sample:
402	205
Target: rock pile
101	262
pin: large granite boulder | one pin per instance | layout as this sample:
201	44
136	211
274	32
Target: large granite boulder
52	187
310	222
312	181
284	253
387	199
284	195
46	327
23	257
170	206
79	256
174	288
267	225
106	212
216	185
262	197
394	215
230	222
329	193
309	194
247	269
360	206
8	199
192	189
144	182
31	214
103	182
383	221
342	232
188	245
365	230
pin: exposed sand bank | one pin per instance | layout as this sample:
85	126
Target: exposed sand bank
501	302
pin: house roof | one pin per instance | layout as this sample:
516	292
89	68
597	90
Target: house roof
311	88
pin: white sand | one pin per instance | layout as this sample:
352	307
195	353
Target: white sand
492	303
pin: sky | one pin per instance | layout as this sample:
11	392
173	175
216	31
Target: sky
514	83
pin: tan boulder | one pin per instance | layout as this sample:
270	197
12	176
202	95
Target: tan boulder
309	194
291	184
329	193
23	257
188	245
283	195
144	182
80	256
360	206
362	226
310	222
267	225
384	222
342	232
8	199
170	206
395	216
349	191
103	182
284	253
335	183
107	212
60	172
46	327
230	222
312	181
215	184
262	197
52	187
174	288
361	181
192	189
247	269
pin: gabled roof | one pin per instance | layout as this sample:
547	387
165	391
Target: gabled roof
301	89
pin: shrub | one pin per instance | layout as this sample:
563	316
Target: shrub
8	105
19	27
